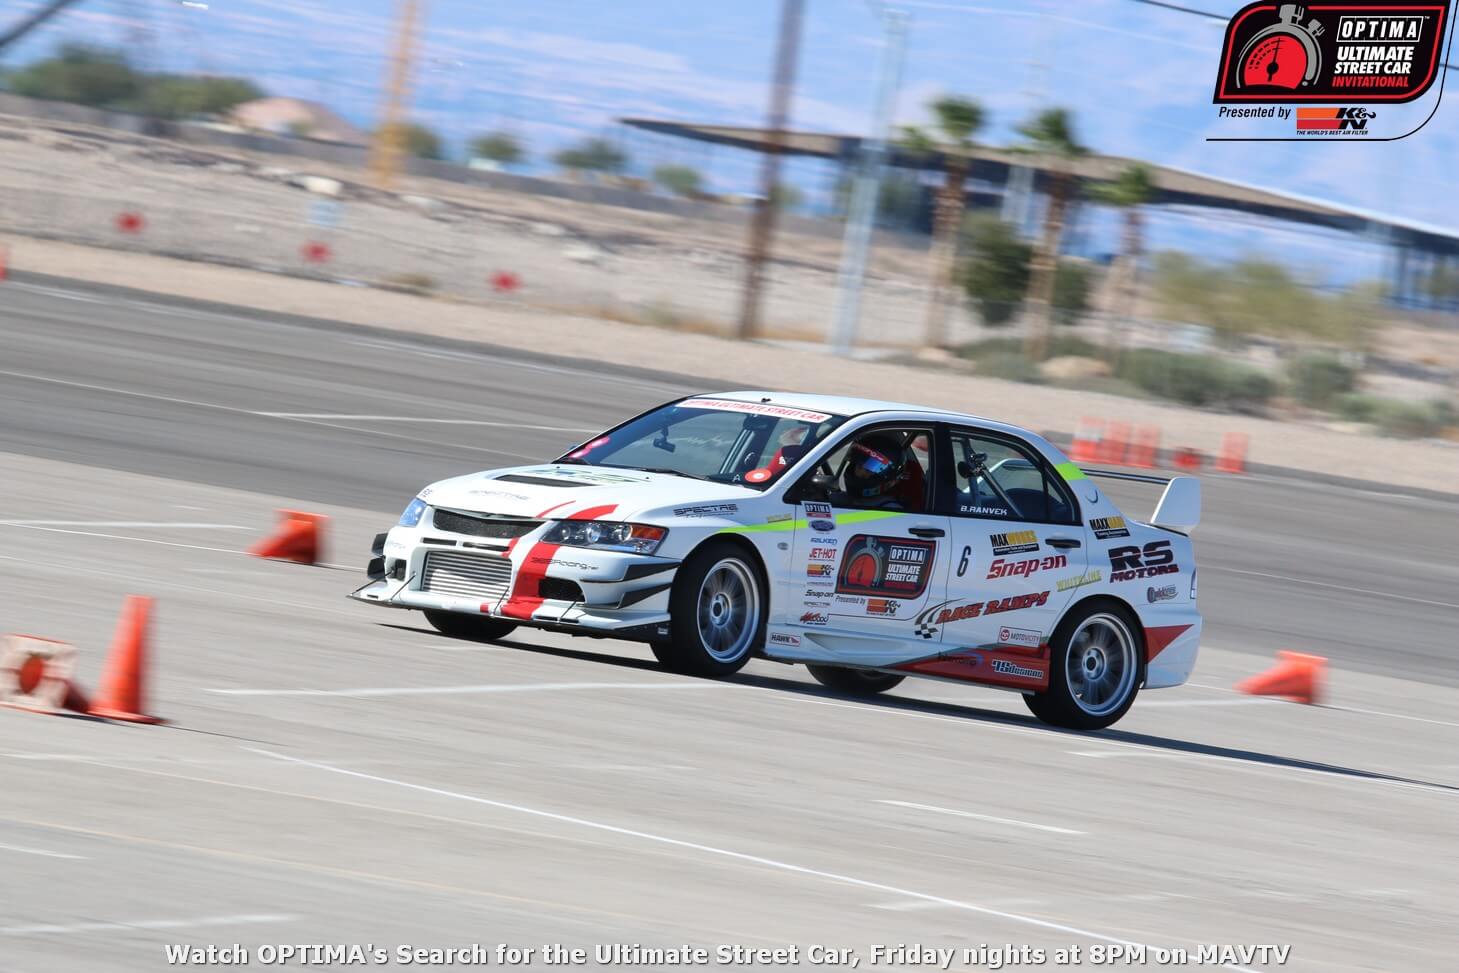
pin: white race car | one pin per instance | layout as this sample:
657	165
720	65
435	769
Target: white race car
868	540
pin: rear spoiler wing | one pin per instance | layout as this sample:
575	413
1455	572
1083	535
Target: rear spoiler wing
1179	508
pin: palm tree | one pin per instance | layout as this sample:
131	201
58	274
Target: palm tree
957	119
1050	134
1128	192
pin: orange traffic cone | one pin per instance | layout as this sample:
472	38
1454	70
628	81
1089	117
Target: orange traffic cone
299	538
126	667
1298	677
1232	458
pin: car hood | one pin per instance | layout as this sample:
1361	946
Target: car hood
564	490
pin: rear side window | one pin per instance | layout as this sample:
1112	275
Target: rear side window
1001	479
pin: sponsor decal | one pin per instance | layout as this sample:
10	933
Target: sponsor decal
496	493
755	409
1357	51
1130	563
587	475
708	510
814	592
1107	527
758	476
781	638
426	492
1001	568
844	602
818	570
1163	593
1014	542
558	562
779	518
820	517
873	565
1079	580
927	622
1026	637
882	606
1005	668
815	618
967	508
823	554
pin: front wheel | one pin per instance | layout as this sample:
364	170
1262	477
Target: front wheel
717	613
857	682
478	628
1095	670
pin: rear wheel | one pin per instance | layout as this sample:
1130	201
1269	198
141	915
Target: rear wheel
857	682
1095	669
717	613
478	628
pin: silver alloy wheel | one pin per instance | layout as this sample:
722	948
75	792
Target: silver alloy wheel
728	610
1101	667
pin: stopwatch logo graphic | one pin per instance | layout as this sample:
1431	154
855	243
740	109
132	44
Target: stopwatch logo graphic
1284	55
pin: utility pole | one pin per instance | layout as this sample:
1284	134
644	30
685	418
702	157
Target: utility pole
762	225
388	145
861	216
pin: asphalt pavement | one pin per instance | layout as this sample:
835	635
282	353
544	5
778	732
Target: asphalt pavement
338	774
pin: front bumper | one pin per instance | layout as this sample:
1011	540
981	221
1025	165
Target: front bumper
523	580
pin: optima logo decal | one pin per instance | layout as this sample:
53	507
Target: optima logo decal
1353	51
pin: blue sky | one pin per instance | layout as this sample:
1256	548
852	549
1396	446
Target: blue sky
1138	78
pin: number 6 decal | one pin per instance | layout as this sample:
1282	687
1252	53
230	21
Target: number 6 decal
962	566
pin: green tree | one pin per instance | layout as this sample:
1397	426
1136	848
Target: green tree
679	180
183	96
592	155
1050	134
786	198
1071	292
503	148
957	121
995	275
81	74
418	140
1128	192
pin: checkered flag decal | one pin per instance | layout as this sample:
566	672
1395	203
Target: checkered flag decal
926	630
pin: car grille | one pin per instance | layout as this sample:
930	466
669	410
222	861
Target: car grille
482	526
469	575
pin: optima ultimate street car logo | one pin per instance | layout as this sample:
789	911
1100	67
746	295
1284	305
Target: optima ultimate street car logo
1355	51
898	566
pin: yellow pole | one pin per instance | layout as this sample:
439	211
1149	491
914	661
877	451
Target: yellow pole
388	145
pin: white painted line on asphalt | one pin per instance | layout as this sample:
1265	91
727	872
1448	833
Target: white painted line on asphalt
1345	709
907	906
721	852
444	422
1336	587
178	525
121	537
528	687
43	853
1244	701
249	412
243	920
983	817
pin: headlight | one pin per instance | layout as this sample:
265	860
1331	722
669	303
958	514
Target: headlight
413	513
605	536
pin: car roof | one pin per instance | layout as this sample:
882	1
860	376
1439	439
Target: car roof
850	406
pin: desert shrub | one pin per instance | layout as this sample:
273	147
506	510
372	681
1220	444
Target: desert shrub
1317	380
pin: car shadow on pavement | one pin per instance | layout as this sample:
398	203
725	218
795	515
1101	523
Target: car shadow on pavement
972	714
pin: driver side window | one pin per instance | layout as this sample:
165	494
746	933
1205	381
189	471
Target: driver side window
906	485
999	480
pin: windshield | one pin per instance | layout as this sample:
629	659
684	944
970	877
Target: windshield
725	441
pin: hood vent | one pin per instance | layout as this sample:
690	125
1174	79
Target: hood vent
540	480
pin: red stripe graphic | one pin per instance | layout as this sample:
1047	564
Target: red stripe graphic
524	599
1157	638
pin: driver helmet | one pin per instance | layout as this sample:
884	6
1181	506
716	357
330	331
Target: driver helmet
875	463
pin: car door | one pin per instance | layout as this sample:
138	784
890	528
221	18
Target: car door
863	569
1018	549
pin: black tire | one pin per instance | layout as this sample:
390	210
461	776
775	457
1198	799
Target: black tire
477	628
719	639
856	682
1115	672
